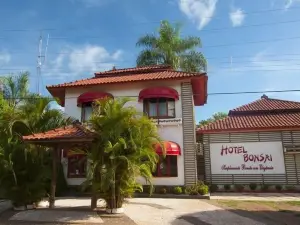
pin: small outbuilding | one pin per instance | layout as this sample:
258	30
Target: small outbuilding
257	143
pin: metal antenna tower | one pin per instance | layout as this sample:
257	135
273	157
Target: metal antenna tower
41	59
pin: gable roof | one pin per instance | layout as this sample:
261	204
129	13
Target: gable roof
266	104
262	114
127	75
71	132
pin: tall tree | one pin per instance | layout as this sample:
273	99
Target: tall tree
15	88
167	47
24	169
213	118
123	151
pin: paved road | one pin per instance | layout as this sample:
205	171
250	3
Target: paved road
149	211
4	205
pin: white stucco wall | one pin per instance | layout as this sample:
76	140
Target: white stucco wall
167	132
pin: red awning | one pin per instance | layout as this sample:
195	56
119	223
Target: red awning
171	148
158	92
92	96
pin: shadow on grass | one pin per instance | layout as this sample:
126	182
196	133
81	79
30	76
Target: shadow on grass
286	217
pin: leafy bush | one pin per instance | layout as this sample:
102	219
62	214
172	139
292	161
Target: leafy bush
253	186
227	187
163	191
290	188
194	189
239	187
265	187
213	188
203	189
191	190
177	190
278	187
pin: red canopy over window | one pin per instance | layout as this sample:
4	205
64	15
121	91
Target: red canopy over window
92	96
158	92
171	148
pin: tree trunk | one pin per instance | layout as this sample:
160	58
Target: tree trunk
94	198
53	180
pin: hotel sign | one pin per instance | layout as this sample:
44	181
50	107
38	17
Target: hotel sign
247	158
173	121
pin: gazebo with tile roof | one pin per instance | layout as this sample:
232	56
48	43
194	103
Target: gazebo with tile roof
67	137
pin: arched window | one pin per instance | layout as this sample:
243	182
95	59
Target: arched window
86	100
159	102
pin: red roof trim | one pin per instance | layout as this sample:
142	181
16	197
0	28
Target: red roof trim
158	92
92	96
171	148
232	130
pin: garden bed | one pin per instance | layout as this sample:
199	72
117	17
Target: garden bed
181	196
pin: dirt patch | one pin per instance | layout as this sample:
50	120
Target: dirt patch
264	211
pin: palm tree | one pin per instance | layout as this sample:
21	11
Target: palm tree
15	88
169	48
24	169
123	150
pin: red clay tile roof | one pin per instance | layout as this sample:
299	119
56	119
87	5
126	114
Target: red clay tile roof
148	73
68	132
133	70
160	75
263	114
267	104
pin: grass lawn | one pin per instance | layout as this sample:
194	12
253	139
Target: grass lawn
285	212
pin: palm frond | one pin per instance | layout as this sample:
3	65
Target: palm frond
148	41
149	57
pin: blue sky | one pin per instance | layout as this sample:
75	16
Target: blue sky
250	45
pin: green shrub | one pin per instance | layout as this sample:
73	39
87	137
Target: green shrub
191	190
163	191
177	190
265	187
227	187
200	182
198	188
213	188
203	189
278	187
239	187
253	186
290	188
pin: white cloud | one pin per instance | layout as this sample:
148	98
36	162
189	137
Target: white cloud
289	3
93	58
199	11
81	61
117	55
237	17
4	58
